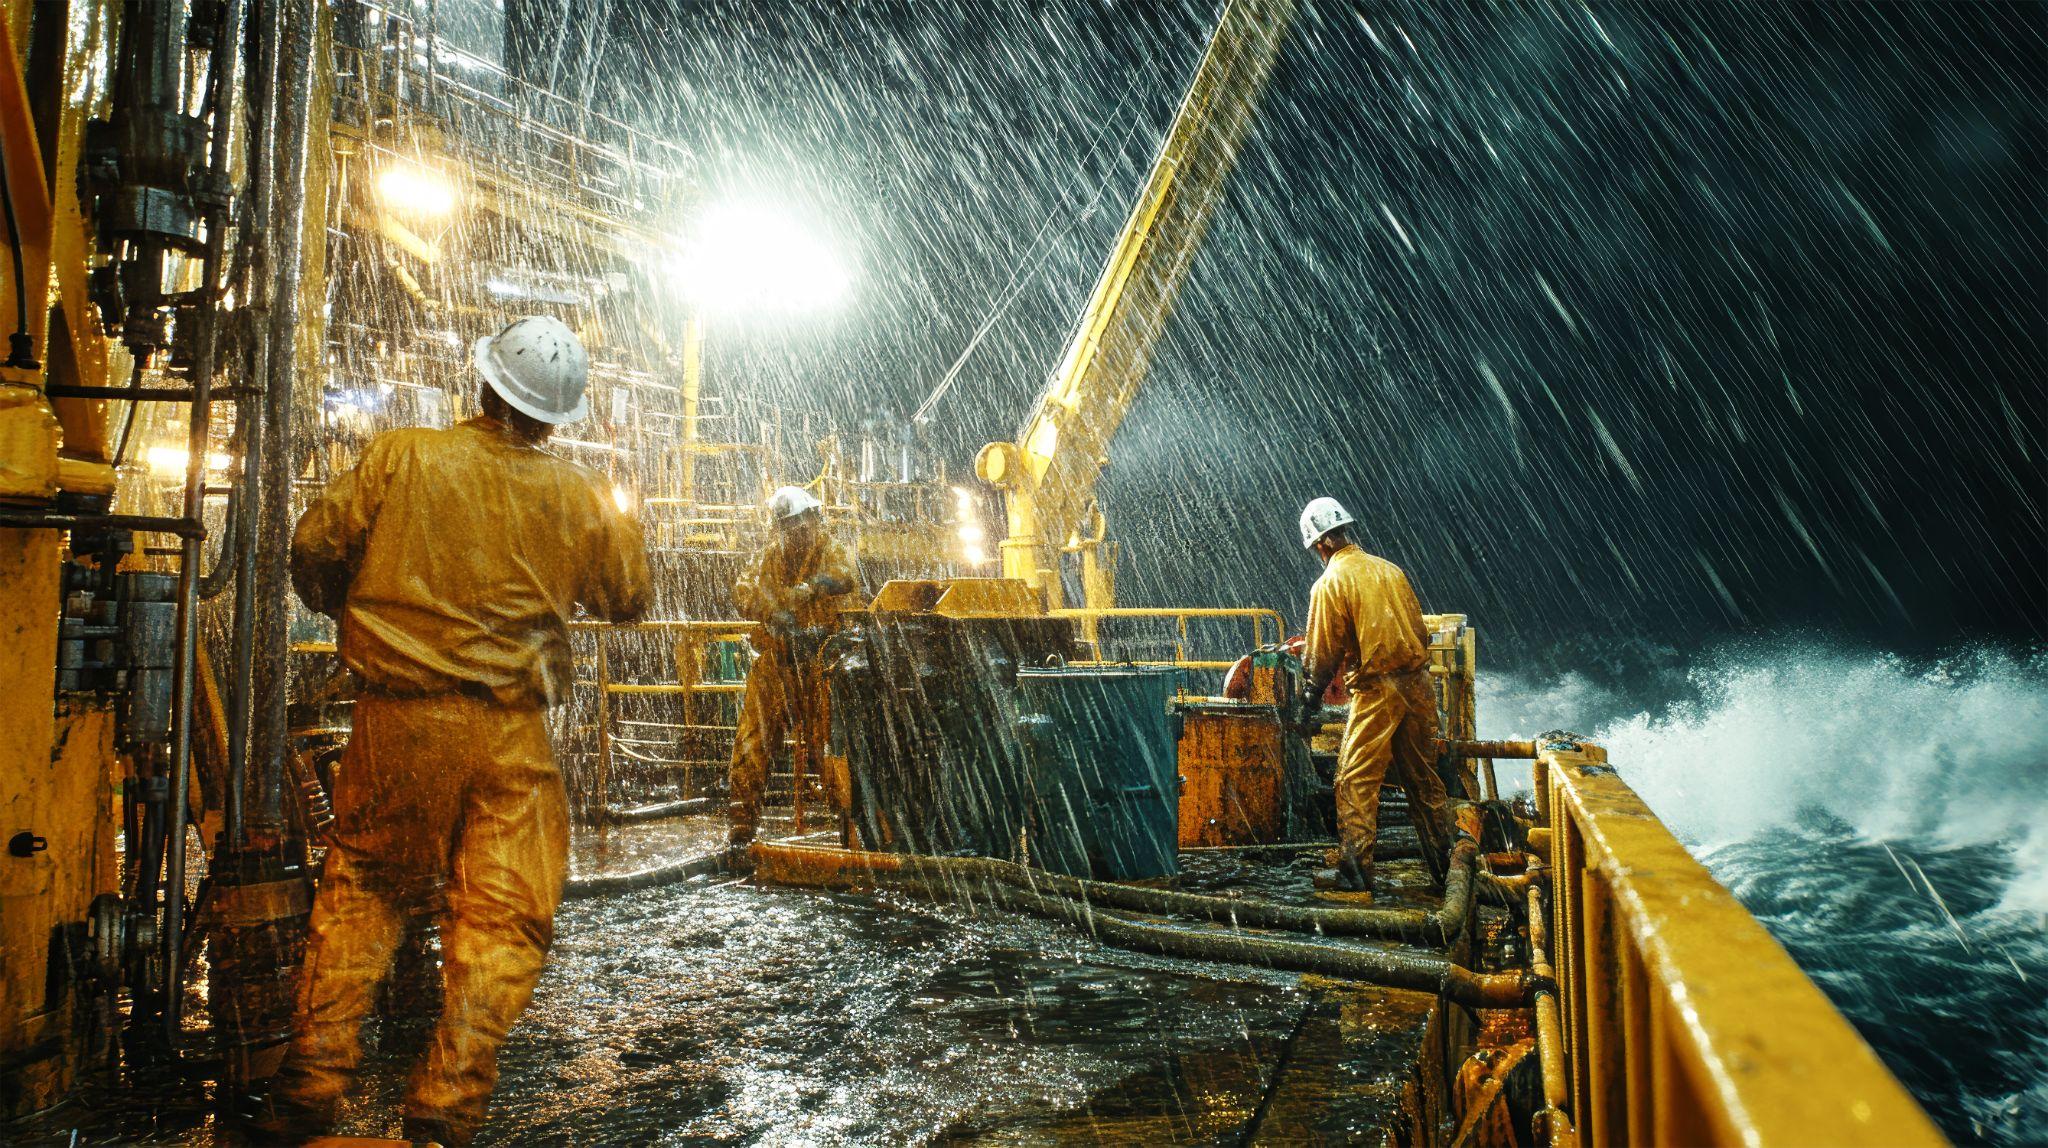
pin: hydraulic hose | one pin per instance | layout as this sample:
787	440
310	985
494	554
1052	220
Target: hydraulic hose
1438	927
1422	972
605	884
635	815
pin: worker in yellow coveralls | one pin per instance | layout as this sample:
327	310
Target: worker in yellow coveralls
793	589
453	560
1363	617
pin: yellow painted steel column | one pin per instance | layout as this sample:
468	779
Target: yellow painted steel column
1602	1097
31	800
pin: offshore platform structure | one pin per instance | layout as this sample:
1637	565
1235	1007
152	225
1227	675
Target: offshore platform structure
248	234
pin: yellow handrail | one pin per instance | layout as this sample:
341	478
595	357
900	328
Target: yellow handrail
1685	1022
1257	615
720	626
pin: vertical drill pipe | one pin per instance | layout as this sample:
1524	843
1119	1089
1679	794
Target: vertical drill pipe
225	56
293	26
262	97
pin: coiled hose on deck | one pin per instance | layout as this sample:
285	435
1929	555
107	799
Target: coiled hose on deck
1074	902
1439	927
1424	972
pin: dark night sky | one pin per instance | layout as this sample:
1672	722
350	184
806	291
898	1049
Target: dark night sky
1668	321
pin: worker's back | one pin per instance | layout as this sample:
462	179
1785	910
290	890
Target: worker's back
1364	614
454	559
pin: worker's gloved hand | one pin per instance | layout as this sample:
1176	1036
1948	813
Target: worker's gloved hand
827	585
801	593
1308	710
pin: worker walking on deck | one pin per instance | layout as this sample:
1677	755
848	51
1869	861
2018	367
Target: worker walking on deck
792	589
453	560
1363	617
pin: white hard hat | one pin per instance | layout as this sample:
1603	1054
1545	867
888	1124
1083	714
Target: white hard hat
1321	516
538	365
789	501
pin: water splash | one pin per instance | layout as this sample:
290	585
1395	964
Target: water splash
1883	817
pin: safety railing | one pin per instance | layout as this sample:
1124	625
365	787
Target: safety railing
397	74
1259	617
1683	1021
691	639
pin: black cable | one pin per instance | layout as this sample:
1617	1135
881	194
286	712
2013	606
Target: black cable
128	424
21	347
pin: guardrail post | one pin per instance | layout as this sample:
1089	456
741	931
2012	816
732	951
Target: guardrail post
1685	1022
604	726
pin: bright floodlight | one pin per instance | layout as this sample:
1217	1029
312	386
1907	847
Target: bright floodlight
743	257
415	192
171	460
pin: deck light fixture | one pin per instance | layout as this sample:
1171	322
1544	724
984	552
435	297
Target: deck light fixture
744	257
415	191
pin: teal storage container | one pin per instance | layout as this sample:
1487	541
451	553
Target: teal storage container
1101	750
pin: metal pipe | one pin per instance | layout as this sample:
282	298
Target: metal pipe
125	394
223	66
1437	927
1489	749
183	527
213	582
292	28
257	199
1549	1029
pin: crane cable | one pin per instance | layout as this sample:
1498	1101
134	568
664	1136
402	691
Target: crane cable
1021	278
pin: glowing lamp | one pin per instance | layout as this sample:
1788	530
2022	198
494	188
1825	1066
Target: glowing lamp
170	460
415	192
745	257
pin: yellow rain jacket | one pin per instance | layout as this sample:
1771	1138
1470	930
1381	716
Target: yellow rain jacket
783	691
1363	615
454	559
771	584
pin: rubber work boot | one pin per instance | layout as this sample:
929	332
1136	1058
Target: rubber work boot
741	834
424	1130
1349	881
279	1121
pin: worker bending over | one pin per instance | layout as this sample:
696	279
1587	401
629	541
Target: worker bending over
793	590
1363	616
453	560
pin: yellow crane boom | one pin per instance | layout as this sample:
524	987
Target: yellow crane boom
1048	474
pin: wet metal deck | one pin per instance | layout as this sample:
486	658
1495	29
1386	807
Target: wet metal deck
717	1012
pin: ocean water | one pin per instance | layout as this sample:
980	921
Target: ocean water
1887	820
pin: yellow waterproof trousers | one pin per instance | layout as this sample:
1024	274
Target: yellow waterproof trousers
781	698
1393	718
449	801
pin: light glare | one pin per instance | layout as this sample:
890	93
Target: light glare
746	257
170	460
416	192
